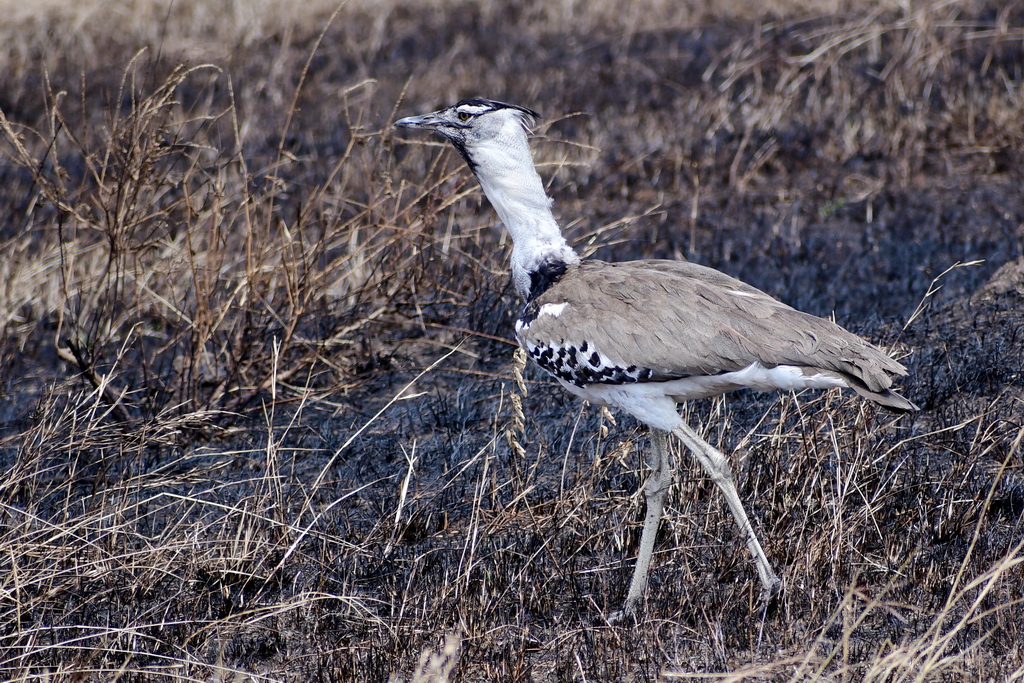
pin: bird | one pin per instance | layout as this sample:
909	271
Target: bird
643	336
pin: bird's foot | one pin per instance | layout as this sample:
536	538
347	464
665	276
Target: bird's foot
770	594
618	617
621	617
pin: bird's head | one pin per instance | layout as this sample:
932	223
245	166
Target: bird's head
473	125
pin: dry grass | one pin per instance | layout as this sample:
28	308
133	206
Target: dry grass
261	418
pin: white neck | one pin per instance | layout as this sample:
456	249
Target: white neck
505	169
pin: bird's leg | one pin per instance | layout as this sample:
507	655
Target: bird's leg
717	467
655	491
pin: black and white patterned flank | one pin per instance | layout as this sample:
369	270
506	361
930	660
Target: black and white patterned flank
582	365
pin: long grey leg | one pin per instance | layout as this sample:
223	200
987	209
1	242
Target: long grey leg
717	467
655	491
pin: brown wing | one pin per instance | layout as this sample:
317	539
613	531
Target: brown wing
679	319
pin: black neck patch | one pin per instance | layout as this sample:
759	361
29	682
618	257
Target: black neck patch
549	272
460	146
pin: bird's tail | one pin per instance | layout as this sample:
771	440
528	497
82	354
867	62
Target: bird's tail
887	398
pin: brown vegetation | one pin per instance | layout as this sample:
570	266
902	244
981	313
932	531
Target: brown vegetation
260	415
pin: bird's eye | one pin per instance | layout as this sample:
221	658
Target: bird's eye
465	116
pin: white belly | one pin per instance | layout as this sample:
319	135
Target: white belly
754	376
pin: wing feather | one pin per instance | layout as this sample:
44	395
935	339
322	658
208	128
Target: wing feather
680	319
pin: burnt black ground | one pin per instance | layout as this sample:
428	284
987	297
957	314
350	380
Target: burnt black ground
522	556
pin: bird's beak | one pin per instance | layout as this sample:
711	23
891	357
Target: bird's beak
423	121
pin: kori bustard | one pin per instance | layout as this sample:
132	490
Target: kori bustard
642	336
